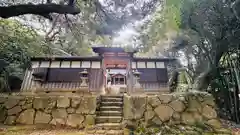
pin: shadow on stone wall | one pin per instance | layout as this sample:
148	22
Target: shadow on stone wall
77	112
171	109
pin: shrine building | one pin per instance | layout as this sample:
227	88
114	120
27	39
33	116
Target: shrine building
112	66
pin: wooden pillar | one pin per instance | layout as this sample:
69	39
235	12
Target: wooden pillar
130	76
104	72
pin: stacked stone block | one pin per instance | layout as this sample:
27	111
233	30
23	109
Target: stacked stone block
66	111
168	109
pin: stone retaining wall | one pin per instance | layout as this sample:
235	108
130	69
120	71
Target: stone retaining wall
176	108
55	110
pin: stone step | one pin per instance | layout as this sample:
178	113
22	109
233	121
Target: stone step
106	126
110	113
111	103
115	132
111	96
108	119
105	132
109	126
111	99
111	108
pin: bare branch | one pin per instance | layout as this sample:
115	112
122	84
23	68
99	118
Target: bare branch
52	28
52	38
70	25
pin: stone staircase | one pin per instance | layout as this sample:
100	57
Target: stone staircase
109	116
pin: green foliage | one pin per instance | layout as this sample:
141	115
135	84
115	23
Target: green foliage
206	34
194	129
226	85
17	44
16	34
165	23
173	13
142	130
211	32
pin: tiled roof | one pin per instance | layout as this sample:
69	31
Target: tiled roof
154	57
68	58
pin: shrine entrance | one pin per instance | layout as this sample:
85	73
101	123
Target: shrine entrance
116	73
117	76
116	68
118	79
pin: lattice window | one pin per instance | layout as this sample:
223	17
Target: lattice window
76	64
35	64
55	64
141	64
151	65
96	64
134	65
86	64
160	64
65	64
44	64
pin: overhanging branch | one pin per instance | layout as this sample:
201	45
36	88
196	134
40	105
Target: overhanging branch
40	9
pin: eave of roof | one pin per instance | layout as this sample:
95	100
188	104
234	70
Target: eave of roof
154	59
66	58
109	49
97	58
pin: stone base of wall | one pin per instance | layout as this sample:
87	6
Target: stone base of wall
76	112
171	109
80	111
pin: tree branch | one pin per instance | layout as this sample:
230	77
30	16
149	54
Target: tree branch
40	9
235	6
71	2
52	28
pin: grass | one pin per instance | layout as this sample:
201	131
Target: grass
196	129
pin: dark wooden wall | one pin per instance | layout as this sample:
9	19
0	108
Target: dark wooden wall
65	78
153	78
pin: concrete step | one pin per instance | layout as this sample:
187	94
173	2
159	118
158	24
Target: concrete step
112	99
110	113
105	132
108	119
111	108
111	103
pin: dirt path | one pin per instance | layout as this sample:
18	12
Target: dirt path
235	128
33	130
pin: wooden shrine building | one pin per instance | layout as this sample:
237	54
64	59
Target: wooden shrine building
113	66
